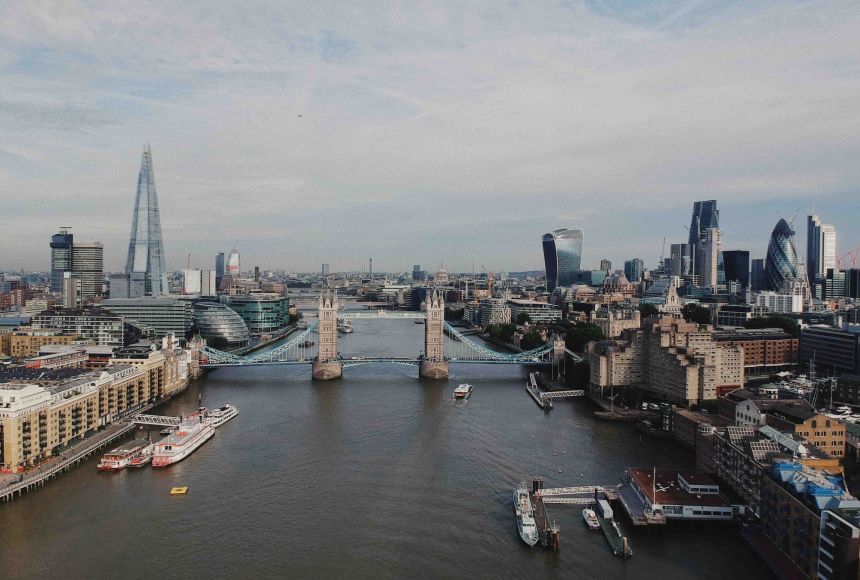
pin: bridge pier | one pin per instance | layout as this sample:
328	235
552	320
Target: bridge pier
327	371
436	370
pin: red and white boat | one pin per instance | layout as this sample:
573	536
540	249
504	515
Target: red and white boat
194	431
463	391
124	455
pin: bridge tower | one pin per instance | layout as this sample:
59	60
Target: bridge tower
434	365
327	366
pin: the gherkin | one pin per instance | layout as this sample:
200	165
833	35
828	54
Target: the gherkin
145	248
781	261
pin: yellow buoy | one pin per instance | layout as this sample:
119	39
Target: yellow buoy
178	490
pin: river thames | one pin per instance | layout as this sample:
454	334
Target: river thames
378	475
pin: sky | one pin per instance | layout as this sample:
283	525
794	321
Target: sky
452	133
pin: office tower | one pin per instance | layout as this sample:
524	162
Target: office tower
757	280
208	283
737	267
88	266
705	216
219	266
681	258
71	290
145	249
61	258
191	281
325	270
562	254
781	261
605	265
709	252
371	268
233	264
820	248
256	273
633	269
131	285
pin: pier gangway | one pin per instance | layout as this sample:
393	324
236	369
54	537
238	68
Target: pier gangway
159	420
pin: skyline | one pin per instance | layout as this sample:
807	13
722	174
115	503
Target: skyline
594	116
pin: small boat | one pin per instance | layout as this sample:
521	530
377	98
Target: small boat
179	490
121	457
463	391
843	410
167	430
419	322
590	518
223	414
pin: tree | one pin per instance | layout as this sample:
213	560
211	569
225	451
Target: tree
693	312
523	318
502	331
531	340
580	334
648	310
787	324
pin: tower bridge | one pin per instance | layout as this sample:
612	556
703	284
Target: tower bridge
327	362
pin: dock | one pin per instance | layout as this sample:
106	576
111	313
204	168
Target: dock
544	398
582	496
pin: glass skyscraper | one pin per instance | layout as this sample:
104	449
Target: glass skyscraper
820	248
61	258
145	248
562	254
781	261
706	216
737	267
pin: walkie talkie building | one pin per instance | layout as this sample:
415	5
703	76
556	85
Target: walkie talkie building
145	248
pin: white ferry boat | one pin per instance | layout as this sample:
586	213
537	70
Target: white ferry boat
463	391
223	414
525	516
122	456
194	431
590	517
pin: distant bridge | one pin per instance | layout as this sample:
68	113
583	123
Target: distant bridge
433	362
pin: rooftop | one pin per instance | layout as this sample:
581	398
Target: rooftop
669	492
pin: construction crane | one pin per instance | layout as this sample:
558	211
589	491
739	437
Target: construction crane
490	279
852	255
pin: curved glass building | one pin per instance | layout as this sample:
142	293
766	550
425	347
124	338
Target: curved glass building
220	325
781	261
562	255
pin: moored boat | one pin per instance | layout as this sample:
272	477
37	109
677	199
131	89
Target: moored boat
525	516
121	457
463	391
194	431
223	414
590	517
144	458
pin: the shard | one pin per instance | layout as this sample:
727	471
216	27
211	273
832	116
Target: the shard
145	248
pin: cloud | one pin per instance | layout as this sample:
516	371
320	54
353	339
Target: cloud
420	127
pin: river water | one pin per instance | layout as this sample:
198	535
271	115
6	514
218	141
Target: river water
379	475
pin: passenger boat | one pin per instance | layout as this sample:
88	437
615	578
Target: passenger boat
525	516
223	414
144	458
194	431
590	517
121	457
463	391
